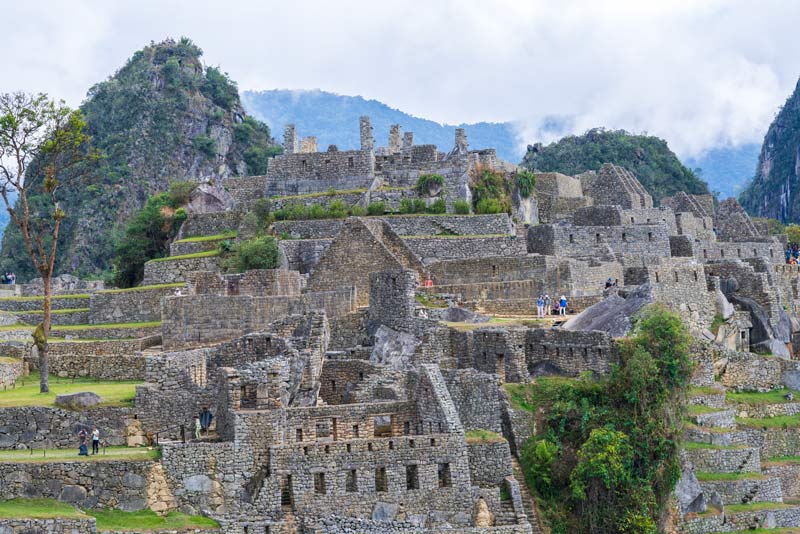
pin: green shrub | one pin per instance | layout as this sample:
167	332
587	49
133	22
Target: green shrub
378	208
538	456
337	210
438	206
406	206
261	252
356	210
487	206
427	182
317	211
180	193
461	207
205	145
525	181
418	206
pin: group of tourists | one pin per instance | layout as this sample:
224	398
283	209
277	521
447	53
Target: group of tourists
792	254
612	282
202	422
545	306
83	437
8	278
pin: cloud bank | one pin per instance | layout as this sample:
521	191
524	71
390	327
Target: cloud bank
700	73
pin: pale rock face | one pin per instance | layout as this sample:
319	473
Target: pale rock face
78	401
483	517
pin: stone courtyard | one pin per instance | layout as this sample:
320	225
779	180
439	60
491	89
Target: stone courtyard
360	387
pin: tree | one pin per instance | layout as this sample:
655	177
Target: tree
41	142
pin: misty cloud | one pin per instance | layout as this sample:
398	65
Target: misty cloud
698	73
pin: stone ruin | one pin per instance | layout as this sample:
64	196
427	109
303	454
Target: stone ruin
348	385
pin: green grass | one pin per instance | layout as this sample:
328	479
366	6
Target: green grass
692	445
769	531
149	520
54	312
696	391
38	509
498	321
430	301
733	508
709	477
699	409
55	297
323	194
8	359
206	254
145	288
114	393
770	397
530	397
151	324
471	236
781	460
483	435
230	234
780	421
71	455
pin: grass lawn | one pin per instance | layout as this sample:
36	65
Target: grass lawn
501	321
769	531
781	460
733	508
699	409
780	421
770	397
71	455
483	435
530	397
702	476
206	254
696	391
692	445
145	288
114	393
230	234
54	297
38	509
148	520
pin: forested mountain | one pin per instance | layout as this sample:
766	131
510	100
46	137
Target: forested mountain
162	117
774	190
649	158
333	119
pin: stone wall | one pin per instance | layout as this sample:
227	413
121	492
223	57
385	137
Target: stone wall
200	319
59	525
789	475
10	371
489	462
599	241
169	271
318	172
432	249
723	250
129	306
20	304
256	283
754	490
564	352
205	224
180	248
118	359
58	317
477	398
36	427
92	485
246	190
303	255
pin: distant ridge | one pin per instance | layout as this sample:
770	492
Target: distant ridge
333	119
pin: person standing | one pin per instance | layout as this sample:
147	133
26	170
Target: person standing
205	420
540	307
562	305
95	440
196	427
548	304
82	439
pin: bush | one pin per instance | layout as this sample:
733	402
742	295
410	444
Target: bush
205	145
538	457
461	207
428	182
357	211
261	252
438	206
406	206
525	181
487	206
377	208
337	209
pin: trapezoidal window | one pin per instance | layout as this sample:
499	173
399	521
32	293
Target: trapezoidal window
319	483
412	477
351	481
382	426
571	238
649	236
381	484
350	162
445	481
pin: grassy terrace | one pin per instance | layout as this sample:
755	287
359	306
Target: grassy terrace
54	312
752	507
55	297
114	393
769	531
530	397
334	193
80	327
780	460
145	288
696	391
480	435
206	254
500	321
71	455
699	409
693	446
780	421
469	236
230	234
715	477
771	397
107	520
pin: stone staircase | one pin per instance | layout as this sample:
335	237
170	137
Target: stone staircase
527	497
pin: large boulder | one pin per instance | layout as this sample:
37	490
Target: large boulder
393	348
78	401
614	313
689	494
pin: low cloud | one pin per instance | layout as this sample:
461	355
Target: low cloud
699	73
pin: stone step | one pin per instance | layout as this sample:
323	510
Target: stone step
715	436
724	459
713	397
716	419
748	488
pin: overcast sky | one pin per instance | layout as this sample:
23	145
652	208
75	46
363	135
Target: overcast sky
698	73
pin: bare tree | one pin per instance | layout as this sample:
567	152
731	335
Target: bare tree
41	143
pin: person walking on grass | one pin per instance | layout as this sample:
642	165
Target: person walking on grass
95	440
562	305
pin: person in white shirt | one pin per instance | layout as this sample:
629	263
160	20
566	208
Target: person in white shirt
95	440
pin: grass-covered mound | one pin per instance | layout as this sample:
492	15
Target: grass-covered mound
114	393
38	509
605	456
149	520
